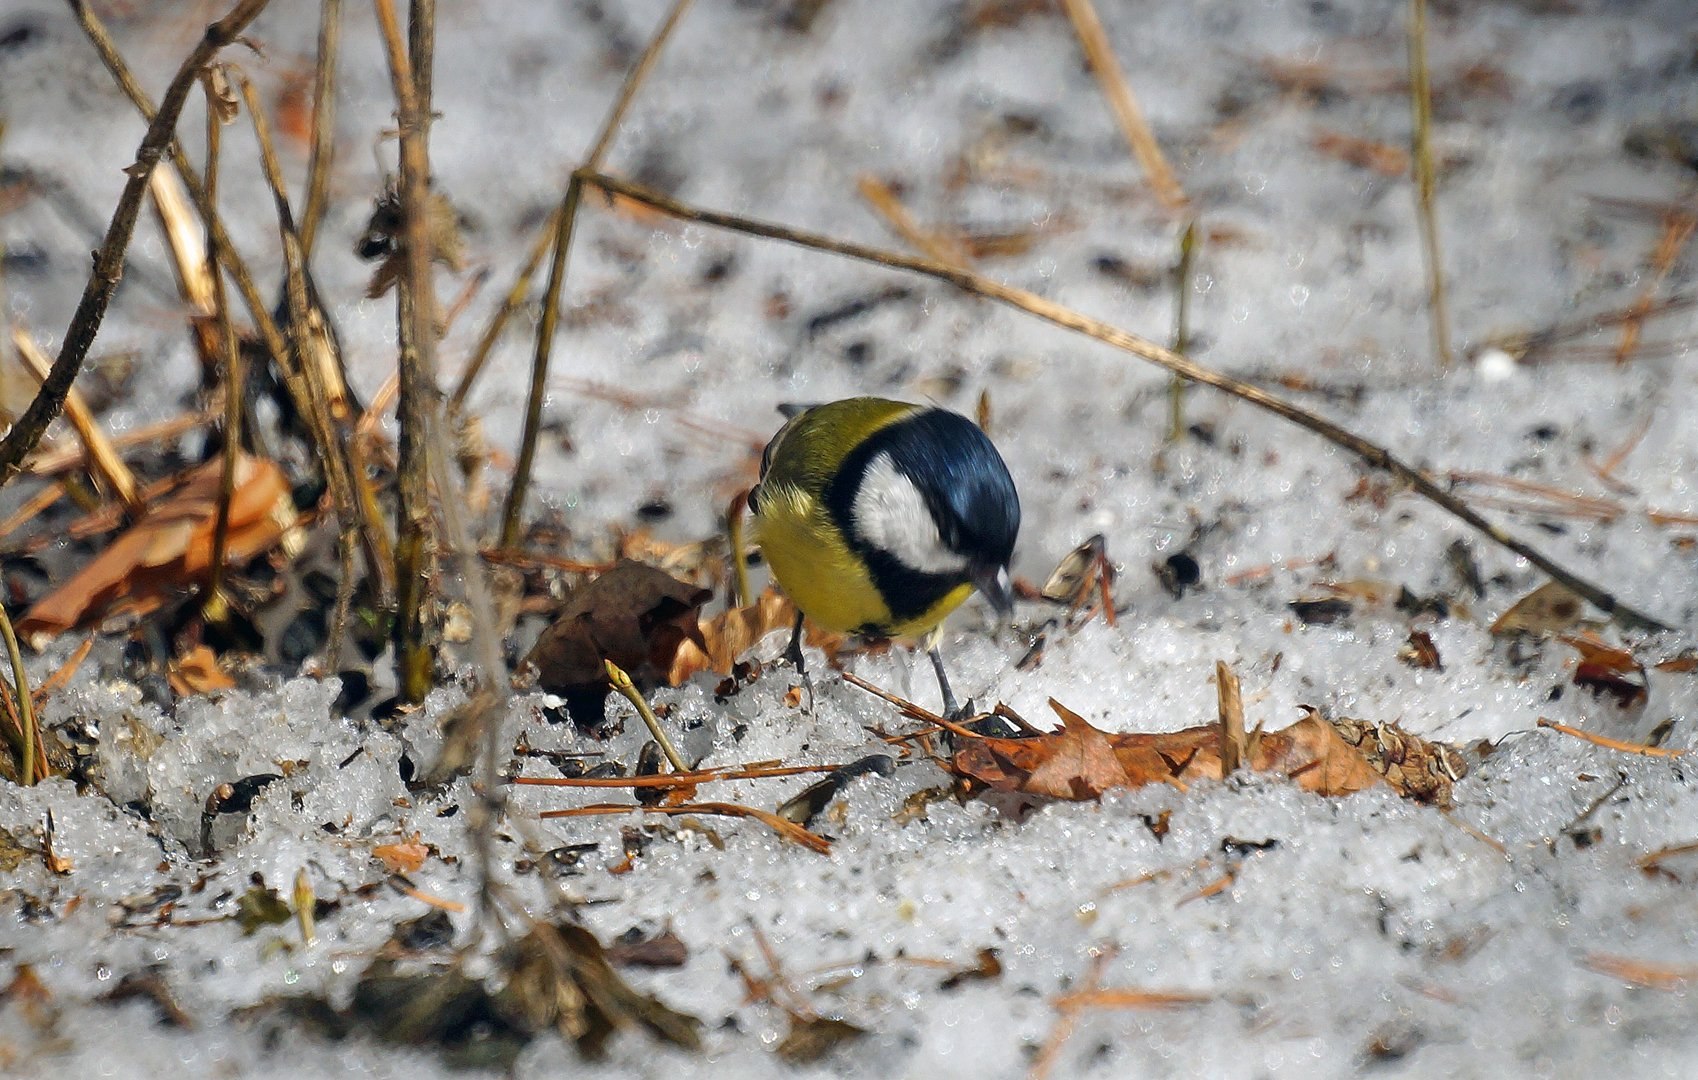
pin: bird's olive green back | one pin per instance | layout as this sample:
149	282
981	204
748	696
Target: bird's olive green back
814	443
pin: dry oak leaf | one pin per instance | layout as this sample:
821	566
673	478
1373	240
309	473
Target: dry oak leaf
402	858
1072	764
197	672
633	615
730	634
1606	668
170	549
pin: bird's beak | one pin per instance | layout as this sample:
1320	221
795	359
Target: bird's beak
994	583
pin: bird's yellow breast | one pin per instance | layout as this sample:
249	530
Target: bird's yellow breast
815	567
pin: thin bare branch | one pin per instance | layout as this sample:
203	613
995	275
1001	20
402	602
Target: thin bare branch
323	123
563	224
1371	454
109	260
1127	112
1421	105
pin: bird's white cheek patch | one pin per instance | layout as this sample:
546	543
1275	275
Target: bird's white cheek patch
890	514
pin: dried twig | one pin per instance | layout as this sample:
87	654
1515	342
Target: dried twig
1234	743
884	200
32	755
103	459
627	689
109	259
323	123
789	830
1611	744
223	249
416	303
1370	453
1120	98
1421	104
563	225
230	359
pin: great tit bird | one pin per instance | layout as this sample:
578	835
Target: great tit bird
880	517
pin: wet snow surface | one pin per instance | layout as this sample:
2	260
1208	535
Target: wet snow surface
1360	932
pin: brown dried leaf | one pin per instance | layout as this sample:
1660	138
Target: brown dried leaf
1383	158
812	1037
403	858
1608	669
197	672
561	978
730	634
634	615
1080	764
1419	651
1551	608
170	549
1071	765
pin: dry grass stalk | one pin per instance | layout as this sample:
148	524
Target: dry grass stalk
1125	105
1643	973
628	690
1611	744
315	377
1421	103
1677	231
323	123
1654	860
416	319
515	296
1234	743
1181	326
563	226
187	240
1067	1018
103	459
57	459
109	259
757	771
229	362
785	828
32	755
883	199
1372	454
225	251
1129	999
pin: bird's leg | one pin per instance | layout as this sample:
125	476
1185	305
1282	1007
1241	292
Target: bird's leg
951	711
793	653
992	725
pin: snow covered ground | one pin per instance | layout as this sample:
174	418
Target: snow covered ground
1362	933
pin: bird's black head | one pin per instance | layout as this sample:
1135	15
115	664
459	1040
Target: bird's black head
929	503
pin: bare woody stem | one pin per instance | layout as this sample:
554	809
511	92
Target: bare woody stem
1370	453
563	225
416	303
1421	108
323	123
109	260
32	757
234	383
